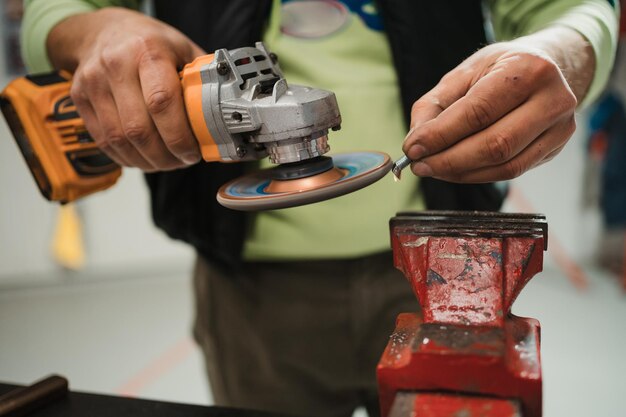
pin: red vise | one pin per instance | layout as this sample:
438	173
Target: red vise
465	352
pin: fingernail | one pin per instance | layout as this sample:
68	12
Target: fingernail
421	169
416	152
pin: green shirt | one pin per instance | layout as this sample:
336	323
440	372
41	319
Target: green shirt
355	63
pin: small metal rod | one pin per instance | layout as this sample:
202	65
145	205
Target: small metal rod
21	401
399	165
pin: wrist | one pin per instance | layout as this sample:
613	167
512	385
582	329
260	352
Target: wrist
571	52
65	41
71	39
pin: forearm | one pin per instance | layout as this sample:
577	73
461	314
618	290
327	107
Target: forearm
595	20
41	16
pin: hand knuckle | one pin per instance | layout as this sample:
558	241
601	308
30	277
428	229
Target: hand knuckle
90	74
570	102
426	102
111	60
430	133
417	106
500	147
571	126
513	169
148	49
136	133
451	75
140	44
479	113
145	43
115	138
77	94
159	101
563	104
543	68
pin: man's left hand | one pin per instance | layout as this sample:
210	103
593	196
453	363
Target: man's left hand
506	109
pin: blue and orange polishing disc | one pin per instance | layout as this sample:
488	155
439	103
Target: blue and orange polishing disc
305	182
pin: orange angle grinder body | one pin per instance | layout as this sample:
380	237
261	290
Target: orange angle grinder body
240	108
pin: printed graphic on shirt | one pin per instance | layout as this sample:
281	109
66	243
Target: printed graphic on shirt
320	18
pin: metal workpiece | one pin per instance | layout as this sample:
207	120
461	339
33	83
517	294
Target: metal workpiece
23	401
251	111
399	165
466	269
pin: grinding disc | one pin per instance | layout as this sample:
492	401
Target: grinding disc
261	191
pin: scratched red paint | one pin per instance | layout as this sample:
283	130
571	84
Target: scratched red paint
466	340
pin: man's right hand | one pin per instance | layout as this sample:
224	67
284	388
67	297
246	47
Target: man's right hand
126	85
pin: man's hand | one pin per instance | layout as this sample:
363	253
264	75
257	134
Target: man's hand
506	109
126	85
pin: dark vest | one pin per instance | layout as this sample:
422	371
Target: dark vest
427	38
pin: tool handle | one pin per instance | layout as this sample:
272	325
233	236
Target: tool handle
63	158
21	401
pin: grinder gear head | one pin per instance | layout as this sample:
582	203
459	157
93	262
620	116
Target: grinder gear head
250	112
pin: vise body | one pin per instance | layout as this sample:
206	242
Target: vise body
464	354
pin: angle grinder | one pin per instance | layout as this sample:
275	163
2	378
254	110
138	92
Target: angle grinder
240	108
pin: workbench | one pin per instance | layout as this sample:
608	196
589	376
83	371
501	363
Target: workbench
77	404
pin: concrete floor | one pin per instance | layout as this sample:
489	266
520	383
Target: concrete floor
124	337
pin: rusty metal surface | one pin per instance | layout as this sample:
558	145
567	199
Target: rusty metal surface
466	269
446	405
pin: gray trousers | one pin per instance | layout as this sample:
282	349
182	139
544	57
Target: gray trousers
301	338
